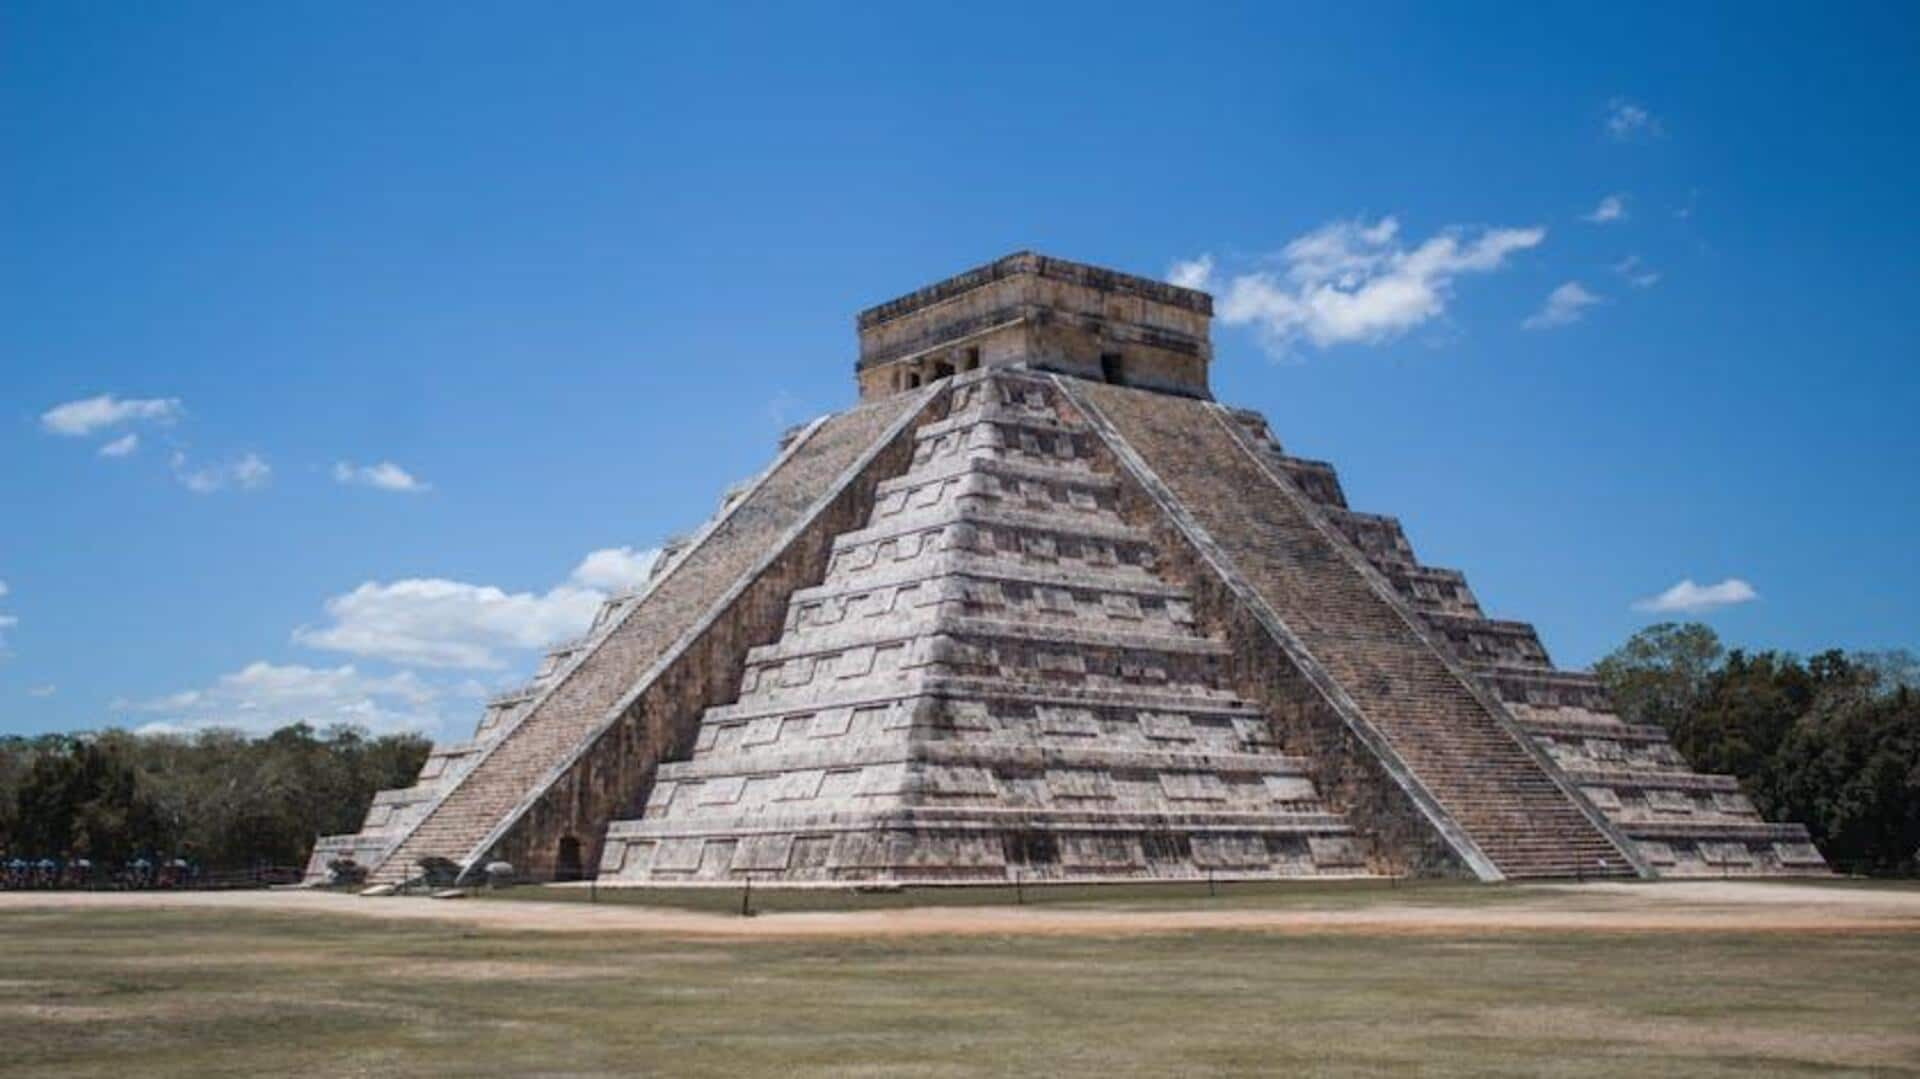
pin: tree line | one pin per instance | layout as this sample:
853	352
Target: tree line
1831	741
215	798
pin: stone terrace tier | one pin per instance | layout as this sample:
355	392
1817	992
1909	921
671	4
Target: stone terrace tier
993	680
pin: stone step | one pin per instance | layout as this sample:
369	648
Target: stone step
948	516
951	470
985	753
952	563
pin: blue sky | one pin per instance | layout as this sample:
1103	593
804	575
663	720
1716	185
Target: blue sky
568	271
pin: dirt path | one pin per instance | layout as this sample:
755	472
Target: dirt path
1602	908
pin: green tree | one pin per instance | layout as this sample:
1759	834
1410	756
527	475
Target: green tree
1659	674
216	797
1849	769
1746	708
1832	741
86	802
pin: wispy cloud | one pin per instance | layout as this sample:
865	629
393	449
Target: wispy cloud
417	622
1352	282
384	476
1611	208
435	622
1690	598
616	569
1636	273
783	407
1627	121
1566	304
247	472
1194	273
42	691
261	697
77	419
124	446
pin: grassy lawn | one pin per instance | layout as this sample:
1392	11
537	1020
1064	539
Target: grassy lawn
116	993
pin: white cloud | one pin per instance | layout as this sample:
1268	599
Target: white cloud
1627	121
384	476
7	622
124	446
42	691
1192	273
263	696
435	622
1611	208
1566	304
251	471
616	569
1353	282
246	472
75	419
4	589
1636	273
1689	598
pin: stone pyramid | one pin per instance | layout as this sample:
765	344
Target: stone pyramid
1039	608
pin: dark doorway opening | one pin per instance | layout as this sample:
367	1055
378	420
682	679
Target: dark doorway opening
1030	848
1113	368
1166	847
942	370
566	863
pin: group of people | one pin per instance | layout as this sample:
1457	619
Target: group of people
141	873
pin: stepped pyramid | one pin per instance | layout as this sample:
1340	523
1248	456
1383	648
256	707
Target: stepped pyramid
1039	608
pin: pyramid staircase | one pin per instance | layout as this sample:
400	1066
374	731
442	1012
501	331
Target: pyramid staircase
992	681
1511	811
470	795
1681	822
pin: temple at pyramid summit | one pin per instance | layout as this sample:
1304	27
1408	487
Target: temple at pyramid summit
1037	607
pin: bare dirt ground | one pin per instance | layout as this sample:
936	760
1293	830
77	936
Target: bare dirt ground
1675	906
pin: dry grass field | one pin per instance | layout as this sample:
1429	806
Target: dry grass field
1660	980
